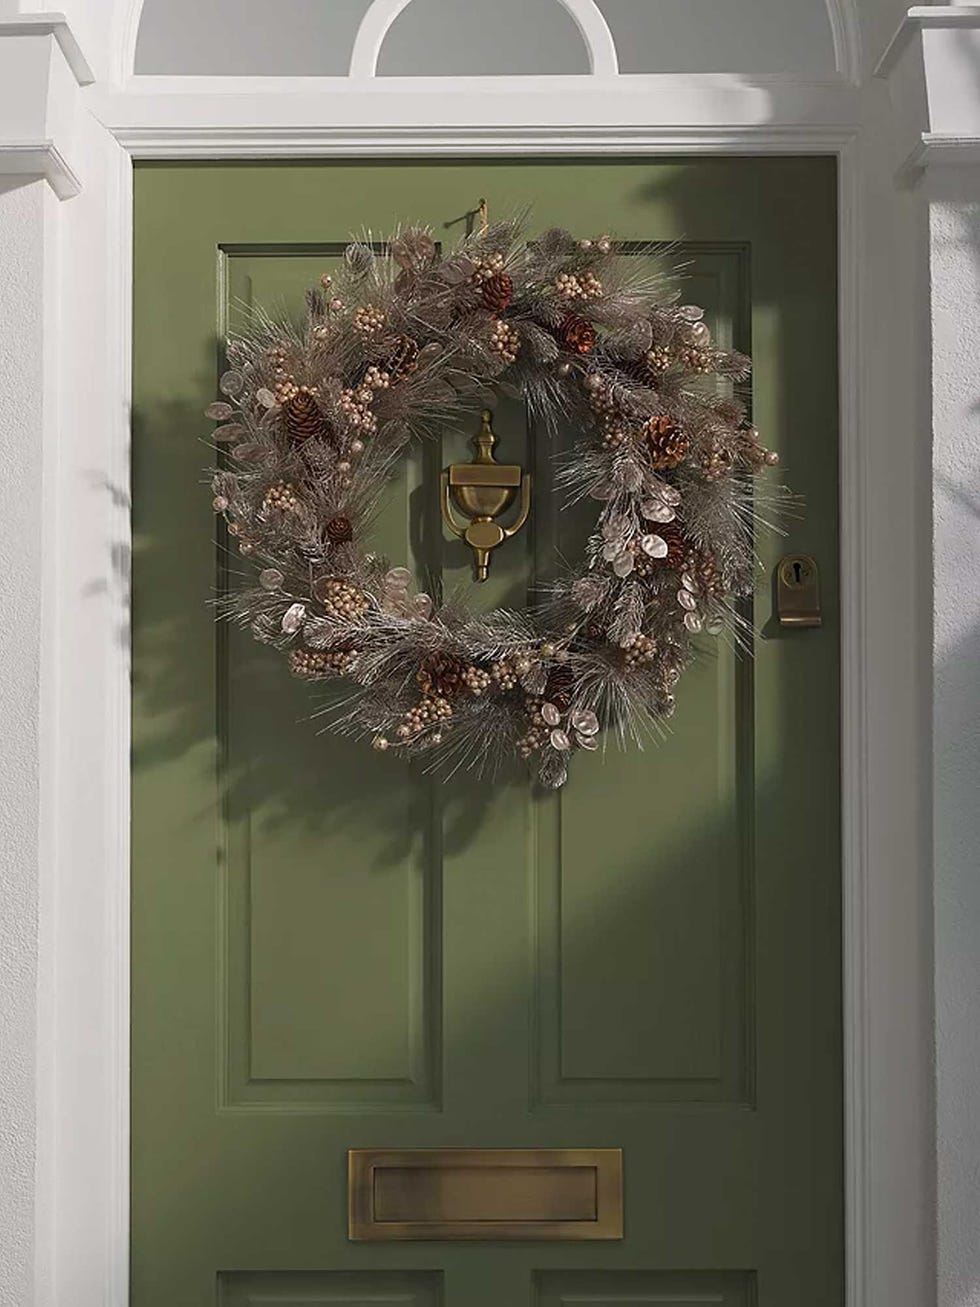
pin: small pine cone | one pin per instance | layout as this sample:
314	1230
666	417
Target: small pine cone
578	335
639	650
477	680
369	320
339	530
503	674
497	292
656	361
489	266
442	674
281	498
403	358
559	689
317	665
504	341
677	545
668	444
304	421
696	359
340	599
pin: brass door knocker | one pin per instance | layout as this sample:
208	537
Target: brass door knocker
483	490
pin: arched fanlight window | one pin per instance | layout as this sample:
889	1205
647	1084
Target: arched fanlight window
436	38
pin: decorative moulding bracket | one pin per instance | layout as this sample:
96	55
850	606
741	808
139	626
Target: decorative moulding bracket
39	159
55	25
41	70
932	66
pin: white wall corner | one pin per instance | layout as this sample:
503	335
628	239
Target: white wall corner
932	66
41	71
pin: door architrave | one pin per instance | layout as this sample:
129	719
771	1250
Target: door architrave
83	1226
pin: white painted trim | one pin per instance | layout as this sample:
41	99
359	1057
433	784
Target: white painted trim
381	14
845	32
918	19
938	149
117	742
327	142
55	25
40	159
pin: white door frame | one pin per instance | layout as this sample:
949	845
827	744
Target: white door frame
84	1013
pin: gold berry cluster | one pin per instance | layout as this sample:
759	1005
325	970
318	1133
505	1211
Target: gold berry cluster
538	729
658	359
428	712
369	321
281	498
355	404
318	664
490	265
696	359
503	675
578	285
504	341
341	600
639	650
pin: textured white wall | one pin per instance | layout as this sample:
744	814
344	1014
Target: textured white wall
22	215
955	224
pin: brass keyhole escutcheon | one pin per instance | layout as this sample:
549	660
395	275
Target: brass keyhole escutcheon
798	591
482	491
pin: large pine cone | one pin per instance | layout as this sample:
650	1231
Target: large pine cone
403	359
442	674
578	335
497	292
304	421
668	444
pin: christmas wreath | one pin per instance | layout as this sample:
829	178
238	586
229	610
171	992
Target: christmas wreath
406	340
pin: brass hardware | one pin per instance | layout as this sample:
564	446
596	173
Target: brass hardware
485	1193
482	490
798	591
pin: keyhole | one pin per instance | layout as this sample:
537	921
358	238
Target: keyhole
798	572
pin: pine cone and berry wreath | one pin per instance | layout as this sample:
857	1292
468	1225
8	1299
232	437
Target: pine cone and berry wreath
314	417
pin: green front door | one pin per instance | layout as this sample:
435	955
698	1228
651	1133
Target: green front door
332	950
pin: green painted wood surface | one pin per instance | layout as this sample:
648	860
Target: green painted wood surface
331	950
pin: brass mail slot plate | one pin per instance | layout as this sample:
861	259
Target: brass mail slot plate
485	1193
